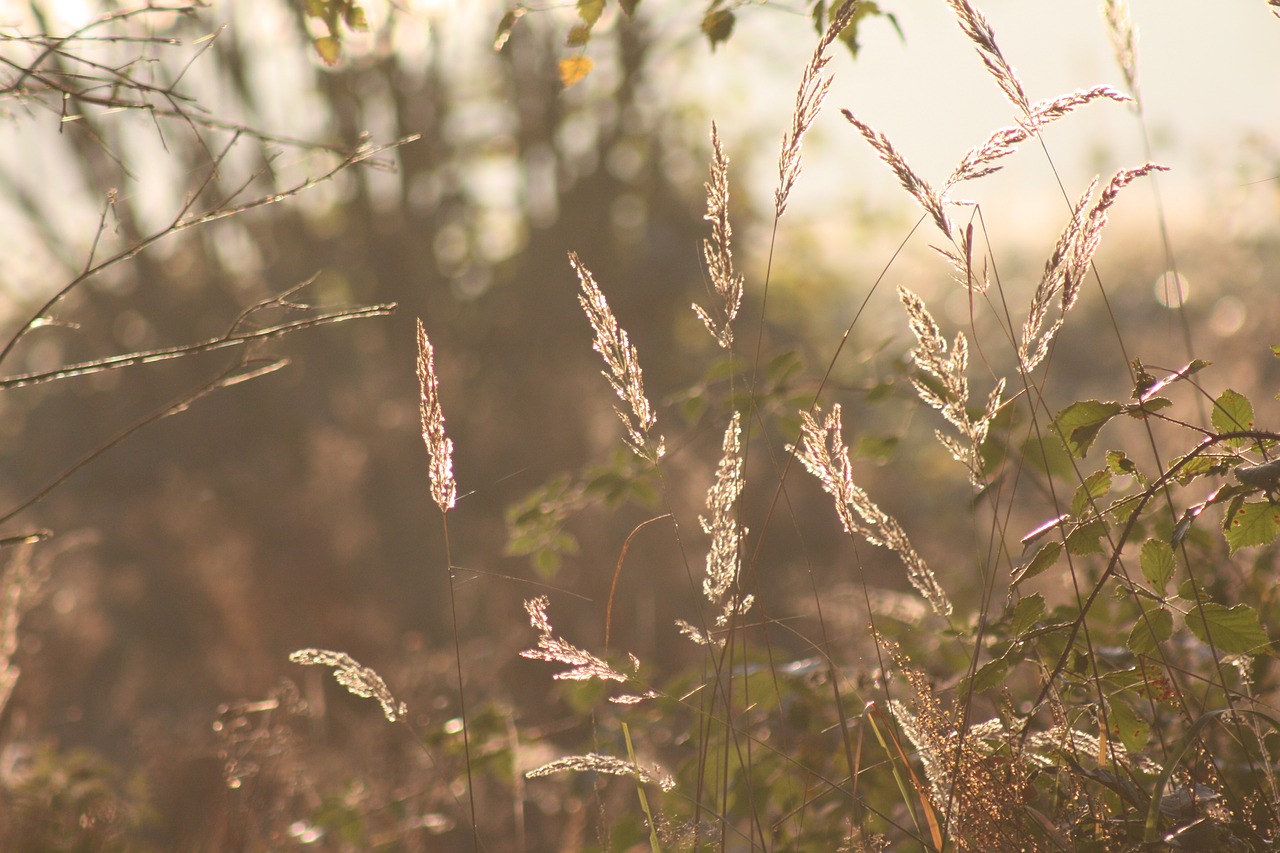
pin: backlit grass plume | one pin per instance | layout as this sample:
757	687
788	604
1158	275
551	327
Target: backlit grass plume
623	365
443	488
825	455
718	251
359	679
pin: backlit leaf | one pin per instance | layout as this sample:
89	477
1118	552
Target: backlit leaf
590	11
1150	630
1094	486
1157	563
1044	558
1251	524
1232	412
1079	423
574	68
329	48
579	35
1231	630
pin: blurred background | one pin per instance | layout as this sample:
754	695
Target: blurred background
293	510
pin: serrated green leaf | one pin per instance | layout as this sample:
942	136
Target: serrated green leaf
1079	423
1094	486
1044	558
990	675
1157	563
1149	631
329	48
717	25
1086	539
1232	412
1122	466
355	18
1251	524
1149	406
1231	630
1126	726
1025	613
590	11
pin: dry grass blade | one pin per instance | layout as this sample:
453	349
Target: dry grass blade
718	251
583	665
978	161
975	26
809	98
443	488
623	365
825	455
928	198
359	679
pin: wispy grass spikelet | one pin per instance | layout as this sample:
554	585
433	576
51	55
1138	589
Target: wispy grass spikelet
623	365
948	389
1124	41
359	679
724	556
825	455
583	665
809	98
981	160
975	26
593	762
718	250
439	448
928	198
1065	270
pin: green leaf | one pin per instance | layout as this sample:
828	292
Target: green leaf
1157	563
590	11
329	48
990	675
1251	525
1126	726
579	35
1044	558
717	25
355	18
1148	406
1149	631
1026	612
1232	412
1079	423
1086	539
1231	630
1094	486
1122	466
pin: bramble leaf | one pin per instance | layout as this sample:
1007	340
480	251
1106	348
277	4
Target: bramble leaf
1251	524
1157	563
1044	558
590	11
1232	412
1094	486
1231	630
1079	423
1150	630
